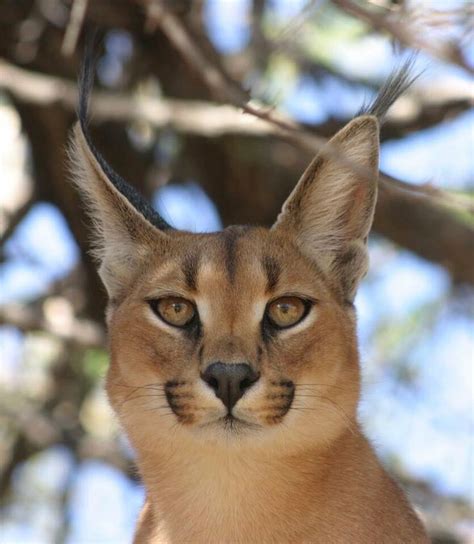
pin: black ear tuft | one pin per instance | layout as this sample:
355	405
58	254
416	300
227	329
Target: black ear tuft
86	84
396	84
86	77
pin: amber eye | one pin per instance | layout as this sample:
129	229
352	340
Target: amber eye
175	311
287	311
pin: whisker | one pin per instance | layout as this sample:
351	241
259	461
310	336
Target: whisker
147	385
153	386
158	408
307	396
132	397
342	414
136	397
155	409
305	408
332	386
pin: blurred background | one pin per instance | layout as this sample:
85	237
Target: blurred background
173	80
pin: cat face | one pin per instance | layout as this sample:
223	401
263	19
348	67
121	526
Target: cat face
244	336
232	336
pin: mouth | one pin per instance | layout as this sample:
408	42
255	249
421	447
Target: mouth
232	424
230	421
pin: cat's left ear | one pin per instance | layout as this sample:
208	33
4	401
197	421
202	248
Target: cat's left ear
126	229
330	211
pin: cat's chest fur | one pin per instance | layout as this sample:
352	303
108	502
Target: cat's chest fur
311	497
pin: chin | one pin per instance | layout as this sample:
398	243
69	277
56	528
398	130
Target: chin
235	426
227	432
236	434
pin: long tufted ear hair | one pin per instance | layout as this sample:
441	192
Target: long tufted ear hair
330	211
125	225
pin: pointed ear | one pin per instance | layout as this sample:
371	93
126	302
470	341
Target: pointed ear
126	228
330	211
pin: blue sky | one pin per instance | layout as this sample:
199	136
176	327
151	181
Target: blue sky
437	410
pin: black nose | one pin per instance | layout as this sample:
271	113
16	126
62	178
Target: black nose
229	381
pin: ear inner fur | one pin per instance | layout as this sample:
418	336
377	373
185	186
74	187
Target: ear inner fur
330	211
125	225
123	237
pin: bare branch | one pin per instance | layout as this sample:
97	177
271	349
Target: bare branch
402	207
29	318
14	220
205	118
218	84
385	21
194	117
159	15
422	225
284	127
73	30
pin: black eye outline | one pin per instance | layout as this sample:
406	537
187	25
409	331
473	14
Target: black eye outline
268	321
154	305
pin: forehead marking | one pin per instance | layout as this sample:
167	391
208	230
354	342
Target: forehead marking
272	270
190	265
230	238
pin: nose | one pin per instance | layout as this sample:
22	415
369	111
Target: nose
230	381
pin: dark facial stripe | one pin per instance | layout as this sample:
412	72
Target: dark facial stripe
190	267
230	238
272	270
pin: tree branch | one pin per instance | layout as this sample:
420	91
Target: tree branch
385	21
392	191
73	30
14	220
205	118
405	204
218	83
78	332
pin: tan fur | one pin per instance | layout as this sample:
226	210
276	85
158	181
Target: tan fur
330	210
293	472
123	236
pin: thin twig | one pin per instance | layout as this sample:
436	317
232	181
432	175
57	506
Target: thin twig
73	30
171	25
15	219
159	15
384	21
28	318
191	117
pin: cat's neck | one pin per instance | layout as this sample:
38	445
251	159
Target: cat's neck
220	487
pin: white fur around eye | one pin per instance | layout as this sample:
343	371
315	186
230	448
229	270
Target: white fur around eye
258	310
204	310
254	312
156	321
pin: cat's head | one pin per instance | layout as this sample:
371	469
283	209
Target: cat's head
243	336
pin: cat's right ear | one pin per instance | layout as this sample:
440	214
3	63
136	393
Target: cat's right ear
125	226
330	211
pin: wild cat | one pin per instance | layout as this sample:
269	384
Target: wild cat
234	361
